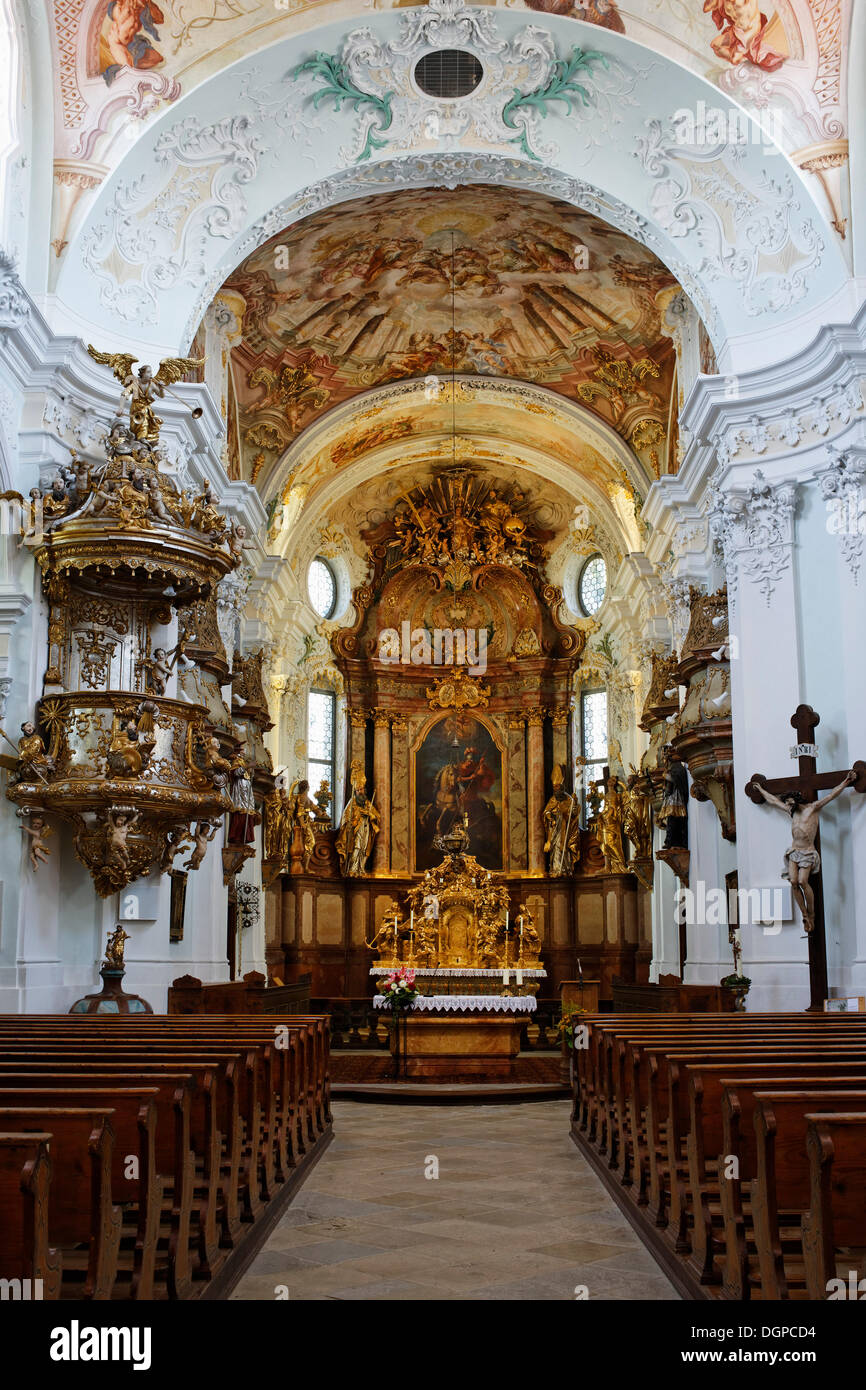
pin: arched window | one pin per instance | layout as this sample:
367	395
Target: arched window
593	735
322	587
592	585
321	738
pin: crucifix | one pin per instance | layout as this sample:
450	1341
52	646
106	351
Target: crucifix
795	795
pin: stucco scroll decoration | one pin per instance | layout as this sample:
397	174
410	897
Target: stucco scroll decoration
842	487
755	533
707	192
374	80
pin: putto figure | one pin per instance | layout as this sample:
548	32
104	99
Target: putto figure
803	859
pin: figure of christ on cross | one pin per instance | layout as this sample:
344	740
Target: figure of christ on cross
798	798
802	858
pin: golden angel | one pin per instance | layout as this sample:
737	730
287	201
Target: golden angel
145	386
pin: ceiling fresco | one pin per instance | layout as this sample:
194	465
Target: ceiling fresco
411	284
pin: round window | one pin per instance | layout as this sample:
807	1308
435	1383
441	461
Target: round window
322	587
592	585
449	73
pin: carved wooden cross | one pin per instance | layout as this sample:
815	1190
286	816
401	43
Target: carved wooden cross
809	782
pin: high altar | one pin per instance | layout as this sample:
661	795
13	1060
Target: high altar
476	971
458	675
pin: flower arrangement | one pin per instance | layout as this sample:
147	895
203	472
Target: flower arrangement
399	989
567	1025
739	982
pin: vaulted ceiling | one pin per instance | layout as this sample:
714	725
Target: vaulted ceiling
367	293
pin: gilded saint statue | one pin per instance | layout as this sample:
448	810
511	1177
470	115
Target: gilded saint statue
358	827
637	815
114	948
609	827
562	828
33	760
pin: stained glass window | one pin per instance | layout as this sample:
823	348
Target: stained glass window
322	587
593	585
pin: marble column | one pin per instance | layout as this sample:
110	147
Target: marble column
535	788
400	794
517	793
357	736
382	788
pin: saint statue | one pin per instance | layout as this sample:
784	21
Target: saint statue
803	859
273	813
33	760
114	947
609	827
674	813
637	816
358	827
301	813
561	818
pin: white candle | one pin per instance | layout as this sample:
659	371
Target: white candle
519	977
412	919
505	977
506	919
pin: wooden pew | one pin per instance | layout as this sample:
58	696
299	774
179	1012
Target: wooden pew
25	1181
836	1219
80	1210
646	1104
781	1186
134	1123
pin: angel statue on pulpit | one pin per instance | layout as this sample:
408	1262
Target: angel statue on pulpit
145	387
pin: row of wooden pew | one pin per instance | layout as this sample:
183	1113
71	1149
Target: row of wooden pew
137	1155
735	1143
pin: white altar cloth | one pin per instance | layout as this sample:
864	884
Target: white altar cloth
471	1003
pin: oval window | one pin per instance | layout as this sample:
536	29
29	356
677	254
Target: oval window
592	585
322	587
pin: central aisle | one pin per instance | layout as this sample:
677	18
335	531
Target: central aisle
515	1213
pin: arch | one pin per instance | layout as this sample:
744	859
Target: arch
641	182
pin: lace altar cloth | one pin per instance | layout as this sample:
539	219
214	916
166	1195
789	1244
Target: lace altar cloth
469	1003
457	972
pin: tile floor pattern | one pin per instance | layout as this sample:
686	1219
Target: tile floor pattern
515	1213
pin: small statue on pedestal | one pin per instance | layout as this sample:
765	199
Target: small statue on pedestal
561	818
609	828
358	827
674	813
114	948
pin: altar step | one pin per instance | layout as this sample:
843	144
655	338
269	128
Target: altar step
535	1076
435	1093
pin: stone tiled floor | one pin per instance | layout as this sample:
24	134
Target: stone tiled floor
515	1213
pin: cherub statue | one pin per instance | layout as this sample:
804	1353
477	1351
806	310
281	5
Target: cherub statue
175	840
158	670
38	832
202	839
114	947
121	820
236	539
803	859
146	387
217	767
156	501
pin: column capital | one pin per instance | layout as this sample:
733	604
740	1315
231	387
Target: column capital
358	718
754	528
535	716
